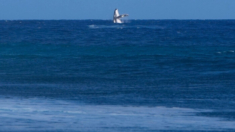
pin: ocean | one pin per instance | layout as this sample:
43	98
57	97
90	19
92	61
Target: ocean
96	76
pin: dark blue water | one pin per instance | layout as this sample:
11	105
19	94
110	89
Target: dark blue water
91	75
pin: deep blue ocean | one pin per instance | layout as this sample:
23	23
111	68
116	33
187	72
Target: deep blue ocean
96	76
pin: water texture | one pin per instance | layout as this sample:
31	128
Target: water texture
93	75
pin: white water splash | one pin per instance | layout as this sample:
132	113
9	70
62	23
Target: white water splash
124	26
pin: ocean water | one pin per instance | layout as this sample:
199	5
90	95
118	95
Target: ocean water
96	76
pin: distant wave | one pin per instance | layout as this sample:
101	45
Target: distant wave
229	51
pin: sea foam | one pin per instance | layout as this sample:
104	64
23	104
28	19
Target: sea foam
53	115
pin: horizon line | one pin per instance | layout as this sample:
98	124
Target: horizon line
98	19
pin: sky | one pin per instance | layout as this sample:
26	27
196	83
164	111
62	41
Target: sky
103	9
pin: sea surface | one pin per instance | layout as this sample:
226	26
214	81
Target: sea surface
96	76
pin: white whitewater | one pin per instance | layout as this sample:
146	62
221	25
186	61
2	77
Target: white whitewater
117	17
59	115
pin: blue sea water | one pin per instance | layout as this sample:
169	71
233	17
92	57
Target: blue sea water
93	75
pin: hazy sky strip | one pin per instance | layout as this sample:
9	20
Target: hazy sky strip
103	9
